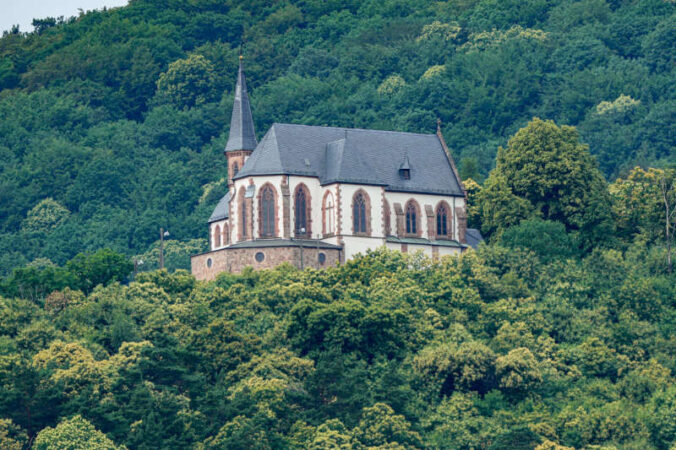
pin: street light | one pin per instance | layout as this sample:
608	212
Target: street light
163	234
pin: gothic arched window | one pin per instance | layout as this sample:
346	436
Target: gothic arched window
411	218
267	211
359	211
226	234
386	222
302	211
329	217
217	236
442	220
243	219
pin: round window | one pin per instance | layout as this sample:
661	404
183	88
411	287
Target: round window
321	258
260	256
209	262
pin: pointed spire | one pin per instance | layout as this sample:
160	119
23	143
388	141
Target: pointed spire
242	135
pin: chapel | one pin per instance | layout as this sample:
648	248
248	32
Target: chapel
315	196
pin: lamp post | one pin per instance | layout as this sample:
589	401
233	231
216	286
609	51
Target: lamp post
163	234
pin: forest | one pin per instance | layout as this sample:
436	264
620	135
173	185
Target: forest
508	347
557	333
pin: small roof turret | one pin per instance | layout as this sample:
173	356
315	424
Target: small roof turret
242	135
405	165
405	169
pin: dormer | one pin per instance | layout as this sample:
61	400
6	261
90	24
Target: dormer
405	169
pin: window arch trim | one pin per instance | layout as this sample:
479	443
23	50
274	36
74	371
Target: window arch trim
241	219
268	211
361	213
304	219
217	236
412	219
328	214
225	234
442	223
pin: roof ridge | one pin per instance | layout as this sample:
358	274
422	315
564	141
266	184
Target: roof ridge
353	129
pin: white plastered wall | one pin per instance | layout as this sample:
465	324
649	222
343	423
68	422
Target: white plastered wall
412	248
427	249
443	251
358	244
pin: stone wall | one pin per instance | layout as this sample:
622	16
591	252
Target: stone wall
236	259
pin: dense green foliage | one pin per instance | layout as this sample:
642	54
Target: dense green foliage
112	124
38	279
73	434
545	172
557	334
494	349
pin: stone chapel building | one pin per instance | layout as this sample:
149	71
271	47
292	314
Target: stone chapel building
315	196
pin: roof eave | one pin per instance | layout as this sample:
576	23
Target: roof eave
355	182
424	191
217	218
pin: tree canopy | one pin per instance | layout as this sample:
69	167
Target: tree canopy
492	349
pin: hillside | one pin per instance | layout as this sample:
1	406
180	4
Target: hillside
120	116
492	350
557	333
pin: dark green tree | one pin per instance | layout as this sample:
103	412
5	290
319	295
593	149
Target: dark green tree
101	267
546	166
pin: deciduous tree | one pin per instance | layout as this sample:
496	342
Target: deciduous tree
546	167
75	432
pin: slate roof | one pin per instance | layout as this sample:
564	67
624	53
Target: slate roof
358	156
242	135
473	237
222	210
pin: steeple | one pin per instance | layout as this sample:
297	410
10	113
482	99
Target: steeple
242	135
